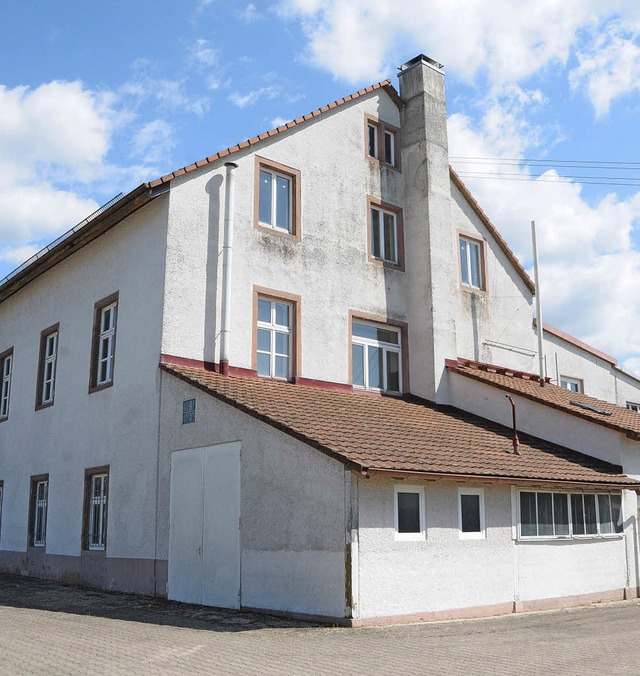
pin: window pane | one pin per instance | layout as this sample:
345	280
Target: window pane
282	343
616	512
106	319
264	340
375	234
264	364
408	513
393	372
282	202
357	364
282	314
464	268
474	252
388	336
545	514
364	330
264	211
375	366
264	311
590	514
604	512
390	237
577	514
373	132
388	148
51	345
282	367
470	513
561	514
528	514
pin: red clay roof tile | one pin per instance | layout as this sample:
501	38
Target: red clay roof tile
388	434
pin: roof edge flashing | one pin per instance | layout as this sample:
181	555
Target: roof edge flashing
418	60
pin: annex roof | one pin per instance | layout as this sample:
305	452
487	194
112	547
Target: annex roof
528	385
567	338
376	434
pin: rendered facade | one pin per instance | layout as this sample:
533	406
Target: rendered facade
276	379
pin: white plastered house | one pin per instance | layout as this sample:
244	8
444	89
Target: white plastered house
265	381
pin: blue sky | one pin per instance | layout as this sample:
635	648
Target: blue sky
96	98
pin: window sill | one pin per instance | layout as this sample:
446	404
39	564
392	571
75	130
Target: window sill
294	236
4	419
570	538
399	267
39	407
94	553
98	388
472	289
385	165
374	391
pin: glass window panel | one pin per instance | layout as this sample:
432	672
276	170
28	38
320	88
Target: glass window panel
264	364
604	513
51	345
106	319
282	202
282	314
393	372
528	514
389	237
264	210
464	268
47	392
282	343
474	252
264	340
388	336
388	148
357	364
7	367
375	366
470	513
376	244
282	367
373	133
104	371
545	514
577	514
560	514
616	512
364	330
264	311
408	513
590	514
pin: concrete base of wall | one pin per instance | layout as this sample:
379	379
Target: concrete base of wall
94	569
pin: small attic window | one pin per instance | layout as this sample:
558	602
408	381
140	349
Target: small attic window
188	411
589	407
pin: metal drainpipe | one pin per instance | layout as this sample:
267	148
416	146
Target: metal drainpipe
516	441
227	262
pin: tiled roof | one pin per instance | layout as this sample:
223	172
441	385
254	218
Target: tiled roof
473	203
387	434
385	84
528	386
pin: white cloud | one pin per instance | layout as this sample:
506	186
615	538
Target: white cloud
18	254
278	122
610	66
251	98
589	264
154	142
202	53
249	14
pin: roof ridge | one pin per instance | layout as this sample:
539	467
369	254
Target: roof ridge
384	84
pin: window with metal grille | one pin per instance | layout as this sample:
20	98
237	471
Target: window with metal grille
40	504
98	488
188	411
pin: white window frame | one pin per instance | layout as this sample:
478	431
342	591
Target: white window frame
392	162
49	364
571	535
382	212
106	344
98	500
632	406
274	328
372	127
472	535
6	365
422	534
275	197
385	347
465	265
567	381
40	509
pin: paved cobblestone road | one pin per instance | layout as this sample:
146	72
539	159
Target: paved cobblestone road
47	628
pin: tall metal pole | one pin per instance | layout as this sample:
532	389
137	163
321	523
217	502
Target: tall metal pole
538	302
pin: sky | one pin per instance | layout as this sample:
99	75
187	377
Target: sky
543	102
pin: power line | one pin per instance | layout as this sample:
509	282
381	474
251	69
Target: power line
601	164
546	179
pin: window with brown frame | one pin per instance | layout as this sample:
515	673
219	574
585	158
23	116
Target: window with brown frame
47	367
382	141
38	509
96	499
277	198
276	322
6	369
385	234
103	347
472	262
